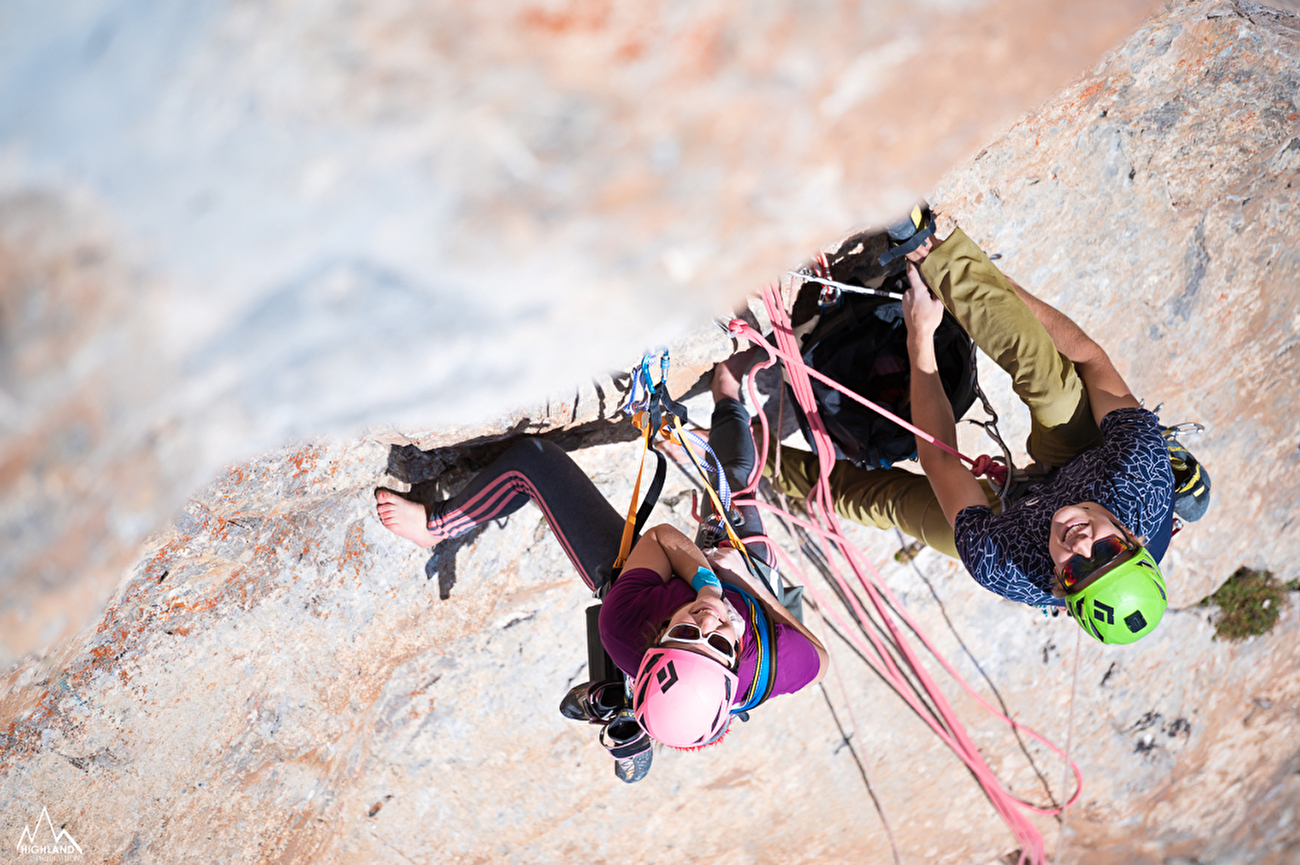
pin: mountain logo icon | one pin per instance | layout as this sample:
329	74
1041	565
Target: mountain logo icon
34	841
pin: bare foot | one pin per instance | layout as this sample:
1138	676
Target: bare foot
728	374
404	518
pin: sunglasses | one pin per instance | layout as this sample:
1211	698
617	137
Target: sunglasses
1104	551
688	633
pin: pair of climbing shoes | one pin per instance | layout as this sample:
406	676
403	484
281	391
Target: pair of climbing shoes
606	704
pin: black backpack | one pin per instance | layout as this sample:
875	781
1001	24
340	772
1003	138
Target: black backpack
860	341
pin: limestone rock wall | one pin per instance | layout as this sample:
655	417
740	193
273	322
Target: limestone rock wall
278	679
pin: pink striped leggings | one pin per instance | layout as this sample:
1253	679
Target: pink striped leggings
586	525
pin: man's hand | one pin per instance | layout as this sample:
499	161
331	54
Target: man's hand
922	311
953	485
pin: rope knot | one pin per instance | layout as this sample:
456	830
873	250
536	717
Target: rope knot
986	466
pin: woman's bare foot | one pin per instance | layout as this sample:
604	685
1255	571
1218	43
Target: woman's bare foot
404	518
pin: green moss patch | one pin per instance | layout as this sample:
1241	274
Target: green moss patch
1249	603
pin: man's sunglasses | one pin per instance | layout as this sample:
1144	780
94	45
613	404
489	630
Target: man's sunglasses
1104	551
688	633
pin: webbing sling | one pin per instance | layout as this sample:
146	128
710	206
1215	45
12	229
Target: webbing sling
649	421
720	509
636	518
765	672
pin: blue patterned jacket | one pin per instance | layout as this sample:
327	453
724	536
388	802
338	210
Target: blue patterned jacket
1129	473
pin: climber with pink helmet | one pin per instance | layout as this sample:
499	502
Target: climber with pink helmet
706	639
702	635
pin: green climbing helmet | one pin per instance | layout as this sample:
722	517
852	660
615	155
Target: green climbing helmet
1120	601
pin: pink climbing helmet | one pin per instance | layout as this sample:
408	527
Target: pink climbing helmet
682	698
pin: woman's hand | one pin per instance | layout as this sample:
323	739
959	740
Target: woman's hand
922	311
668	552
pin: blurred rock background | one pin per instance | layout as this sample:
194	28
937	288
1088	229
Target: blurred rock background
239	225
225	225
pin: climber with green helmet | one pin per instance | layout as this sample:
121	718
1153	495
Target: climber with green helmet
1086	530
1090	534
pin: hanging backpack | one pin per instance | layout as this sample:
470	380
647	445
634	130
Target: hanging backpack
860	341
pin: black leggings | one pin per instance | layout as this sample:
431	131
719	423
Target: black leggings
586	525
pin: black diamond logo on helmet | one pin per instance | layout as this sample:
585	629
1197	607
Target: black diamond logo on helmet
666	677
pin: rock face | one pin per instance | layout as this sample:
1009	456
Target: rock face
275	681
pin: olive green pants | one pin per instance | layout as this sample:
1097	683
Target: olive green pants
1005	329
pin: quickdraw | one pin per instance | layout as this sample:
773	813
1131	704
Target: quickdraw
647	403
658	415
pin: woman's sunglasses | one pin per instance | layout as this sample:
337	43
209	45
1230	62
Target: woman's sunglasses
1104	551
688	633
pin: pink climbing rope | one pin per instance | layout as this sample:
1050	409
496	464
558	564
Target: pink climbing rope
918	690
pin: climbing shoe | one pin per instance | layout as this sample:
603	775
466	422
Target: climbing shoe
1191	480
594	702
629	745
909	234
711	532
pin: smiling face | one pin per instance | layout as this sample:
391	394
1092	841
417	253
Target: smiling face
1075	528
710	616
